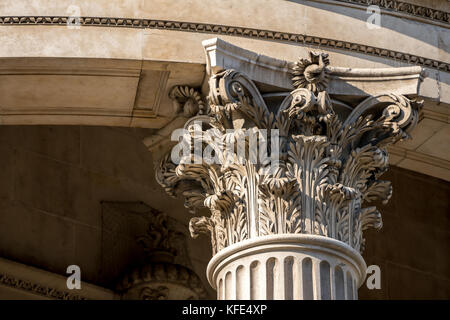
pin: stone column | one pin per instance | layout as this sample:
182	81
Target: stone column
286	267
287	180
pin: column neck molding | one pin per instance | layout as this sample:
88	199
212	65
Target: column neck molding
307	242
286	267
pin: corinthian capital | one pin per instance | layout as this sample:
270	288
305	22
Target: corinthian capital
321	168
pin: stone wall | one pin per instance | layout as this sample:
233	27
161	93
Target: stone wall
52	182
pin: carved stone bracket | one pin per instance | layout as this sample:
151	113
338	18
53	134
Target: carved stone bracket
187	103
325	176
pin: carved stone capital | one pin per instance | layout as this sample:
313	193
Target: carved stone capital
321	172
160	277
162	281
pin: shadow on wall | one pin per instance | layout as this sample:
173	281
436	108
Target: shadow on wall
412	249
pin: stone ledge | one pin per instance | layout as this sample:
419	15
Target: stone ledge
222	55
185	26
29	282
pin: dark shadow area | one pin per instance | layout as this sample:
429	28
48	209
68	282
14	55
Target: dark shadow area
412	249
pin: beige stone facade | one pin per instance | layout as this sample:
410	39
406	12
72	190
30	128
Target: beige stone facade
91	92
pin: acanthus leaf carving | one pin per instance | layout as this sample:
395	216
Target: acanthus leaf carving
326	169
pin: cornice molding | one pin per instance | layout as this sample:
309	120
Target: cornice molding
426	14
435	115
34	288
28	281
237	31
419	157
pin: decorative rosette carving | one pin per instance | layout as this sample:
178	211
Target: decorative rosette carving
311	73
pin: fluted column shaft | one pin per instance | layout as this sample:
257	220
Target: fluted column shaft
287	267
